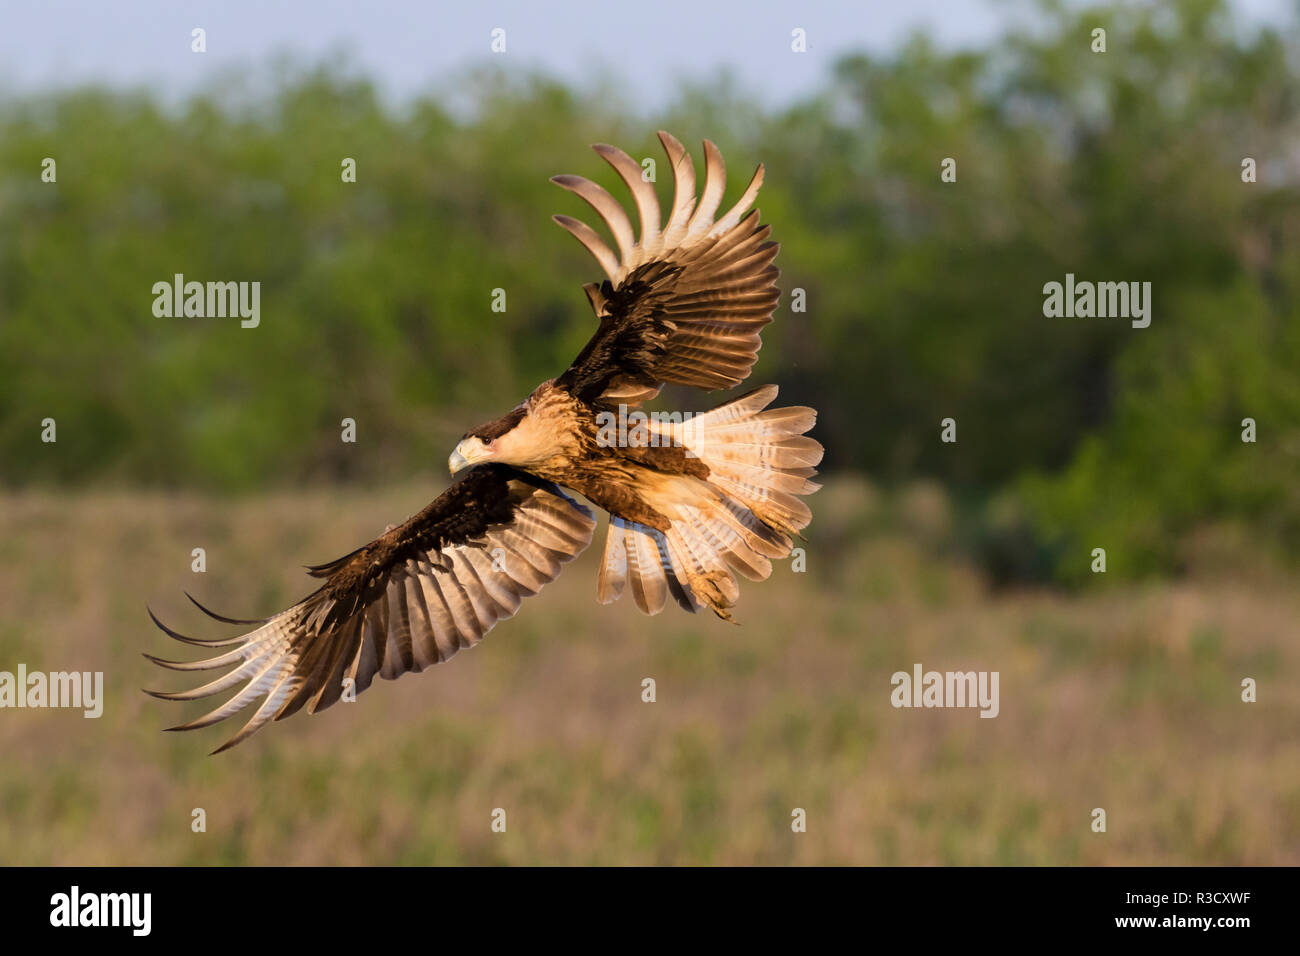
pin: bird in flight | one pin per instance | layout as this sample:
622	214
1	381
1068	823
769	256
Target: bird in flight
691	502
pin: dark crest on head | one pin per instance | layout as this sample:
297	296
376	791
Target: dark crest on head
498	427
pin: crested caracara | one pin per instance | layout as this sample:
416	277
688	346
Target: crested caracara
691	503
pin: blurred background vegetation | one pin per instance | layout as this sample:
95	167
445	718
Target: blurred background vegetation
924	297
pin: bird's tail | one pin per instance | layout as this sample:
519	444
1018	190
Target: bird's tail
737	519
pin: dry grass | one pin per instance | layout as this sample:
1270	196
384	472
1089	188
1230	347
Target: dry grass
1126	699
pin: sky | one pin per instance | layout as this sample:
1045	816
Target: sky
409	46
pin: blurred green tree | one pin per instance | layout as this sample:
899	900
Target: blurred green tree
924	297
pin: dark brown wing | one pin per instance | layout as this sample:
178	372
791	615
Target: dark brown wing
412	597
684	304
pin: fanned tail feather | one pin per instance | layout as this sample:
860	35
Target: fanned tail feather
739	519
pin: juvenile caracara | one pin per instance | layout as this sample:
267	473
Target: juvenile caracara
689	503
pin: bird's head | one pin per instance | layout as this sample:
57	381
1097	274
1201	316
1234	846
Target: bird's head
471	450
501	440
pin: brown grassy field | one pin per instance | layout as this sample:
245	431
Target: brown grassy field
1127	698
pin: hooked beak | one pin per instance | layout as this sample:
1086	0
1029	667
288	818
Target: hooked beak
457	461
470	451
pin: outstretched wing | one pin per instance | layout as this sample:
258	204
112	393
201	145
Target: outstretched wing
684	304
412	597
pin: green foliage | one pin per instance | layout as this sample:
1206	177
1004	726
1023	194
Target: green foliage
924	297
1173	455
